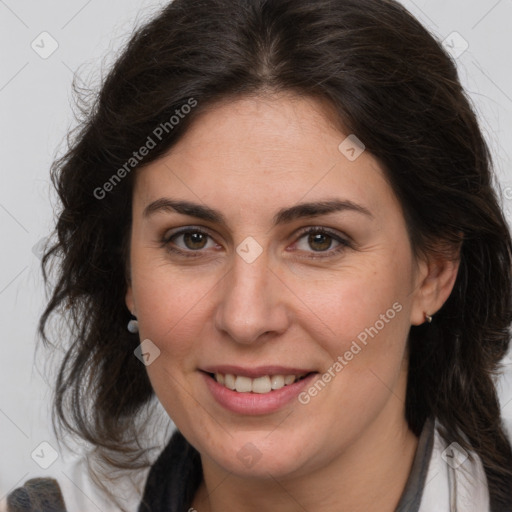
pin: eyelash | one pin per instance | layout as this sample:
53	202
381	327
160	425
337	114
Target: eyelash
344	244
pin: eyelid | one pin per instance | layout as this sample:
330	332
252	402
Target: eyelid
186	229
321	229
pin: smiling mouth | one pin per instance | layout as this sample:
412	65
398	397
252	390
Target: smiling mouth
261	385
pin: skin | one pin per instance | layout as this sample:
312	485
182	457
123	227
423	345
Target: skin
349	448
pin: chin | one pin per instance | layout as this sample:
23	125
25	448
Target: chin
253	456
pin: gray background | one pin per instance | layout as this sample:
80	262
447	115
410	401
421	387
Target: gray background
36	112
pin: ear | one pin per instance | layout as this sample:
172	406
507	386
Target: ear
436	275
130	304
128	298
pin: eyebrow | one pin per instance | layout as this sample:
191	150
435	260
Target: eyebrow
283	216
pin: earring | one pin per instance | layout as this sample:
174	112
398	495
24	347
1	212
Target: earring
428	318
133	326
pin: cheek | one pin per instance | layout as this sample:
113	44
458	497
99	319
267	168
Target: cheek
363	325
172	315
358	301
170	306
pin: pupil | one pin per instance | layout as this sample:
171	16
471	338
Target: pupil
193	240
318	238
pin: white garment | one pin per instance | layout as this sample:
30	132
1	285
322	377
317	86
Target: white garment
454	482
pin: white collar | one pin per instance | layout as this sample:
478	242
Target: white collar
456	480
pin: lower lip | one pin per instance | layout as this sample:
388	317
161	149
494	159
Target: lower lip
255	403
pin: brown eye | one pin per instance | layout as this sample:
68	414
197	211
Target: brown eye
319	241
194	240
188	242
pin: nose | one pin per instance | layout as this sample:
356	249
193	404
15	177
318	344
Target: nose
252	302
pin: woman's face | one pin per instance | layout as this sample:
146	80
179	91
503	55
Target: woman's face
228	281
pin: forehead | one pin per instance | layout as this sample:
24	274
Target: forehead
260	129
261	151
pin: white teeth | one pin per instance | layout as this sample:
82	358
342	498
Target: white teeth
261	385
277	381
243	384
289	379
229	381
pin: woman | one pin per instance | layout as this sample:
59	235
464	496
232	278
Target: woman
285	210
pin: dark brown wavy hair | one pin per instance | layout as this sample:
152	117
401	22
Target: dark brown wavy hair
389	82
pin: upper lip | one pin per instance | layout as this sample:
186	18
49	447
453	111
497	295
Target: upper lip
255	371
